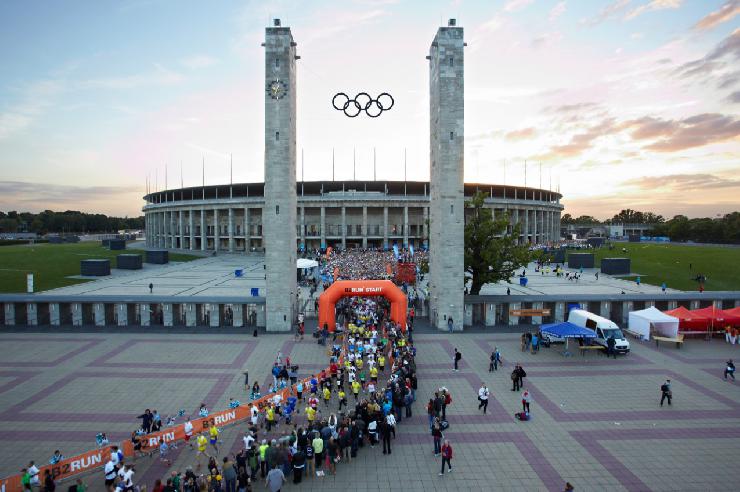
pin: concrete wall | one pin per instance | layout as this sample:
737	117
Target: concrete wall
446	209
279	221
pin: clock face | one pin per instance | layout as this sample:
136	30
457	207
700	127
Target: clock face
276	89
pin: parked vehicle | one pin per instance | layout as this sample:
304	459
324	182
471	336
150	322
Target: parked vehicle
603	327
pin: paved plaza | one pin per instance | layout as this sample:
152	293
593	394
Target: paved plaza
215	276
597	422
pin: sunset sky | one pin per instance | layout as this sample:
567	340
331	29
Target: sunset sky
626	103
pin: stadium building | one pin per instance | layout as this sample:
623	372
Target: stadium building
340	214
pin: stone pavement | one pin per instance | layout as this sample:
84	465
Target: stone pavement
214	276
597	422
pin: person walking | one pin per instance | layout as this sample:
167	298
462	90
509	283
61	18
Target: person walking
450	324
483	394
666	393
446	457
492	362
457	358
385	434
730	370
526	400
437	436
496	358
610	343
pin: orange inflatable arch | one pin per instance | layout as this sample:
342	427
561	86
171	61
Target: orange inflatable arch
361	288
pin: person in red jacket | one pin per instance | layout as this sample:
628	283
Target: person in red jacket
446	457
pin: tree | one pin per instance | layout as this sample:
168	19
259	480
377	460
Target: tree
566	219
629	216
585	220
491	254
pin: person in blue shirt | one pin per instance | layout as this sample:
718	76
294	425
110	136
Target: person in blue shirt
535	343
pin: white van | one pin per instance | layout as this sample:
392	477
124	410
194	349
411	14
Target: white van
603	327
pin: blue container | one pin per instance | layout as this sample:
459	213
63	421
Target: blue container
255	292
239	273
523	281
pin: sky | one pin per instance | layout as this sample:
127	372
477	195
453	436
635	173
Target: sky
618	104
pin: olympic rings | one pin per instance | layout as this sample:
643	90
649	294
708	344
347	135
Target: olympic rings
362	102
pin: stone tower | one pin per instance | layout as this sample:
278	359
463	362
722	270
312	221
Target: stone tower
446	211
279	214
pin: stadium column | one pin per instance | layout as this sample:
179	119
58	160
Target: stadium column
191	230
323	227
344	227
385	227
231	230
173	230
405	226
161	223
203	230
534	231
303	227
364	227
216	230
447	110
181	224
247	232
424	228
279	213
526	225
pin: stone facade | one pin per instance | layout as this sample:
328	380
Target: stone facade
279	212
446	209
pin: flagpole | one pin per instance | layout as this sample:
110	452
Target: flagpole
203	167
231	175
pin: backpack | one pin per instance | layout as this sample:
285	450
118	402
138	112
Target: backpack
448	399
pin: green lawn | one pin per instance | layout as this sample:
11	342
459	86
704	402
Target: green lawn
669	263
51	264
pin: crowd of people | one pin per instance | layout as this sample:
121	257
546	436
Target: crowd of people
366	391
362	264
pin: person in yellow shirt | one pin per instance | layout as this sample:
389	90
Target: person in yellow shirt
374	374
381	363
342	398
213	433
201	442
310	414
263	457
359	363
356	386
327	395
270	417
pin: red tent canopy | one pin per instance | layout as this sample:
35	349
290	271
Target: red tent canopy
718	317
689	320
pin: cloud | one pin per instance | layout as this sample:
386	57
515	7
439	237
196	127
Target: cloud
159	76
694	131
571	108
734	97
611	11
557	11
521	134
23	195
35	100
547	39
713	61
580	142
198	61
651	6
683	182
725	13
514	5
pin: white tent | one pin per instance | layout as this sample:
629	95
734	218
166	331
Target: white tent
306	263
641	321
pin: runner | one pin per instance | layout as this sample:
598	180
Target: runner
213	434
201	454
